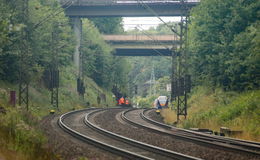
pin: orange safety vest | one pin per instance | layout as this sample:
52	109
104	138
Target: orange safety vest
122	101
126	101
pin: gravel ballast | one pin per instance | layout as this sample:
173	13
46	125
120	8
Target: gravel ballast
109	120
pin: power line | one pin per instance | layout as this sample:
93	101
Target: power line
154	13
53	14
46	19
141	24
149	36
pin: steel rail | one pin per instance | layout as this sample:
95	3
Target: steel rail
99	144
145	146
244	143
191	139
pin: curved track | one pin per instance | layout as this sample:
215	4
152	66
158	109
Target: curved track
252	145
111	120
133	117
73	123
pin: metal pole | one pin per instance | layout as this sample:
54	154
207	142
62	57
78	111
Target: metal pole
182	65
55	68
23	77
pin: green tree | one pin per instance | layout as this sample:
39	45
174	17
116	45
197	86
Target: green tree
99	64
244	67
215	26
111	25
40	25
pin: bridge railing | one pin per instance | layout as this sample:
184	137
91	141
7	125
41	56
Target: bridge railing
161	38
111	2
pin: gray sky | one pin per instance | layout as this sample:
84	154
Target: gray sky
130	23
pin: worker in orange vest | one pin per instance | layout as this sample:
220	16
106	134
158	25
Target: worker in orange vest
127	102
121	101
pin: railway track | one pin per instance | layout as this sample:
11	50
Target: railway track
77	123
252	145
248	147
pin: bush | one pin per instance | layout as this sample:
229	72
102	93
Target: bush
217	108
19	134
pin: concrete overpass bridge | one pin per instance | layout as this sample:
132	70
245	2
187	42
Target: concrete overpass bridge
142	45
77	9
125	8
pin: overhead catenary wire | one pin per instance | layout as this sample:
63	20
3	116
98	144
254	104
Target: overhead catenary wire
69	3
35	26
155	14
149	36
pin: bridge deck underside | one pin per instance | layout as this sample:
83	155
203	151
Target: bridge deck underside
126	10
117	44
142	52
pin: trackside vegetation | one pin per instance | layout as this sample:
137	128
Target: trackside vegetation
20	133
224	63
215	108
21	137
224	46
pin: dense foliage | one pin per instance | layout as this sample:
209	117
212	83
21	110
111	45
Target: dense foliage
225	43
36	47
50	37
35	42
161	29
107	25
105	69
20	137
140	73
215	109
99	64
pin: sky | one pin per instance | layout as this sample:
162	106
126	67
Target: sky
145	23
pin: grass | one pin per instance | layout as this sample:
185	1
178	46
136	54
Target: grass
20	137
146	102
169	116
68	96
214	109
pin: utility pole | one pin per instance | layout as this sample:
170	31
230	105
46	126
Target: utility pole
181	80
78	55
54	68
174	71
152	83
24	76
80	80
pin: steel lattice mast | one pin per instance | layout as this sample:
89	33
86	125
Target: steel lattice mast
181	80
24	58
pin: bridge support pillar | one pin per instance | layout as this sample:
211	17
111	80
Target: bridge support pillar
77	28
78	55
